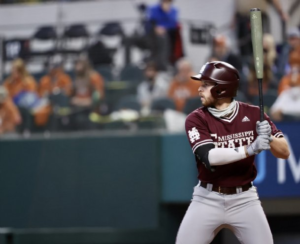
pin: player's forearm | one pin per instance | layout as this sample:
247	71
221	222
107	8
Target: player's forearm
280	148
222	156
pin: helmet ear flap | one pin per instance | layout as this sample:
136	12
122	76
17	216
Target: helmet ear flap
221	91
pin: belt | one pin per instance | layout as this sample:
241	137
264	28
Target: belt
228	190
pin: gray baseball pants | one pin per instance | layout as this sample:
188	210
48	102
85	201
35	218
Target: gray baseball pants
209	212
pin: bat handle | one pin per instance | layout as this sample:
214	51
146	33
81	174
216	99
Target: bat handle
261	101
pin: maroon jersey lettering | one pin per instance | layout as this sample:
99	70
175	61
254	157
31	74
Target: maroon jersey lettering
236	131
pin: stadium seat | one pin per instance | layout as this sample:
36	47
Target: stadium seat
106	72
111	29
59	100
132	74
43	41
75	39
191	104
128	102
269	98
38	76
162	104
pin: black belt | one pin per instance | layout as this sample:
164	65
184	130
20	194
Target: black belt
227	190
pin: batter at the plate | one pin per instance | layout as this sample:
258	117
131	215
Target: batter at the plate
225	135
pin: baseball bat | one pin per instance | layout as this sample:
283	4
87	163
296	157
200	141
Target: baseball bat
256	34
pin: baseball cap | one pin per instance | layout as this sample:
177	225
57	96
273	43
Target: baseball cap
220	40
294	32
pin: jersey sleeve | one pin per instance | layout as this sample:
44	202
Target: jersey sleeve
275	132
197	131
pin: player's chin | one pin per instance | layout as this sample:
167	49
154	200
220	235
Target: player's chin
207	103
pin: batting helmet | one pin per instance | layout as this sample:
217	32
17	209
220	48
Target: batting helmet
224	75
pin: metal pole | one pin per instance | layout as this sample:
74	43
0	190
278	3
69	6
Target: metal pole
2	58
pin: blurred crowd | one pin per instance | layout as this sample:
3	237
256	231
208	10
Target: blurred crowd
85	99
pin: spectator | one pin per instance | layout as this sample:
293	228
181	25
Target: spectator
9	114
288	102
164	26
290	80
23	90
182	86
289	52
222	52
56	80
19	80
154	87
294	56
55	83
88	85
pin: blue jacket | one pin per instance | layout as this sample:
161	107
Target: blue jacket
160	18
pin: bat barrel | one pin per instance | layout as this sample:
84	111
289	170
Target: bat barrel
256	34
257	44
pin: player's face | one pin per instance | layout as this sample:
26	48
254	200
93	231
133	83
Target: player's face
205	95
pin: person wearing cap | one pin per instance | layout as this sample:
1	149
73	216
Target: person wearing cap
294	42
290	58
290	52
225	136
9	114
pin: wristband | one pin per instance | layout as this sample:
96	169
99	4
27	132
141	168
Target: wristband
250	150
246	152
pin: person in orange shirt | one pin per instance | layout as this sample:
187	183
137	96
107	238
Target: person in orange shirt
9	114
183	87
88	85
19	80
22	88
56	79
290	80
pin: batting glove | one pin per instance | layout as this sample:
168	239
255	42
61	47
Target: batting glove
264	128
261	143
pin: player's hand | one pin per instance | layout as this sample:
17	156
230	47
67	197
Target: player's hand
261	143
263	128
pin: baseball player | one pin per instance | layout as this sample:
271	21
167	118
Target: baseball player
225	135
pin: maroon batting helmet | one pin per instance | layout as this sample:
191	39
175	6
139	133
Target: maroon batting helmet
223	74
